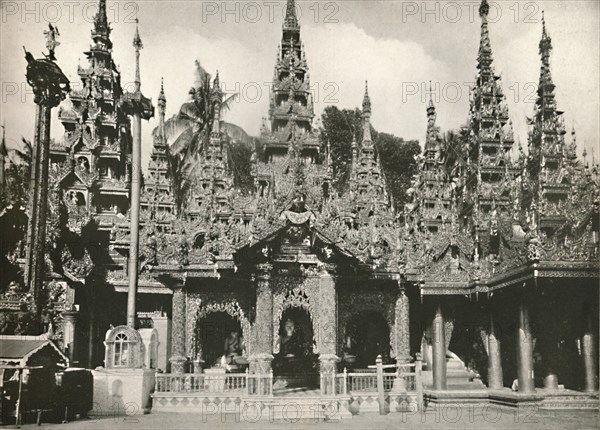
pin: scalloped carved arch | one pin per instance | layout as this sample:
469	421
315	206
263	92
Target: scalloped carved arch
296	297
229	306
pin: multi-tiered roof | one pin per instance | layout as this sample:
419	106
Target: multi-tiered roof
92	162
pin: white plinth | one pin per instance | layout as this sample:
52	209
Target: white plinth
122	392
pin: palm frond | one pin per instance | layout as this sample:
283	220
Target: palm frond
201	75
227	101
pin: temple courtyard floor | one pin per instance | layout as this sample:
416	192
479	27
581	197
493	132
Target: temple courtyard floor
445	417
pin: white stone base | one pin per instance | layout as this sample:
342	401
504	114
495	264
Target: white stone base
122	392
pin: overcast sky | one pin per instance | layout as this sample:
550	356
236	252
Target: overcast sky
398	46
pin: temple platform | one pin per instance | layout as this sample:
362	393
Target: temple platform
540	399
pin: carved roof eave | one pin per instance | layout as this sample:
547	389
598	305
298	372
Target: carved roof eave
514	277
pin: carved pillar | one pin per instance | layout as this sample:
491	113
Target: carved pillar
402	328
70	343
50	86
327	315
495	376
439	350
262	348
327	324
178	359
590	355
525	350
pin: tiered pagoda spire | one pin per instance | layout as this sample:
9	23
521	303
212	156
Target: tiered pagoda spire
291	109
291	162
491	135
214	182
549	164
366	178
157	195
489	192
91	164
432	200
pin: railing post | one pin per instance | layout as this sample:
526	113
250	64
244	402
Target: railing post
419	381
380	392
270	387
345	382
247	383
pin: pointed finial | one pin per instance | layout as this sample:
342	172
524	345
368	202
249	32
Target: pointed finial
366	100
101	26
291	20
137	40
546	41
484	9
430	105
137	44
543	23
162	99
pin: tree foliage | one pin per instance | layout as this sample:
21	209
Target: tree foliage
189	131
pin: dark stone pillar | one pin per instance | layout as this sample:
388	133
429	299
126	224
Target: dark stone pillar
402	329
439	350
525	350
590	354
38	206
50	86
495	376
262	348
178	358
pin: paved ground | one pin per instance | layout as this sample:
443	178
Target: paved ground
451	417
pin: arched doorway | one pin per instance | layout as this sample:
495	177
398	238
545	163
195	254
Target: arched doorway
218	334
367	335
296	364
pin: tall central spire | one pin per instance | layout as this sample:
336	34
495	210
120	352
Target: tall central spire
291	109
485	48
367	140
491	136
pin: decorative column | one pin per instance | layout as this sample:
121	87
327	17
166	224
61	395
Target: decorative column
590	355
178	359
138	106
495	376
439	350
50	86
327	333
70	335
525	350
402	327
262	348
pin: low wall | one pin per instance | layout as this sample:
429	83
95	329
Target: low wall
119	392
